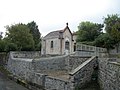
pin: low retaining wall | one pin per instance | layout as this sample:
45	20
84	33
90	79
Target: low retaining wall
30	70
57	63
52	83
87	50
109	74
26	54
83	73
50	64
3	58
75	61
19	67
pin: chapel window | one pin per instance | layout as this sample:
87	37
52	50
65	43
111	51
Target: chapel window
67	45
51	44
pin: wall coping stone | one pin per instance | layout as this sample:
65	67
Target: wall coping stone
116	63
80	56
23	59
49	58
57	78
81	66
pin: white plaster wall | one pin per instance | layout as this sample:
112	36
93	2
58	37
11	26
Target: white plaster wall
67	35
43	48
56	46
74	41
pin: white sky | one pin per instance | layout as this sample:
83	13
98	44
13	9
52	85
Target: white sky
52	15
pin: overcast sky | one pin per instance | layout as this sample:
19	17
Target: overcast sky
51	15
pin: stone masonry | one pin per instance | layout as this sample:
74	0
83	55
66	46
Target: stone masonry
66	72
109	74
53	73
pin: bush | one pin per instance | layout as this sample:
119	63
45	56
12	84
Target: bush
10	47
27	48
38	47
2	46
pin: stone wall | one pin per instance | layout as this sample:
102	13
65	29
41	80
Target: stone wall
26	54
50	64
116	50
87	50
25	69
109	74
66	63
56	84
75	61
46	64
3	58
19	67
83	73
32	70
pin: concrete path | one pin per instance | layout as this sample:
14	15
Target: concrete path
6	84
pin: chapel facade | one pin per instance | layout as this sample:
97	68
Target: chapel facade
59	42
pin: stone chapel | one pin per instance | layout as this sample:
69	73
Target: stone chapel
59	42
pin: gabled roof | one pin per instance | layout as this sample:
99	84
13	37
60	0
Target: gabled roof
54	34
57	34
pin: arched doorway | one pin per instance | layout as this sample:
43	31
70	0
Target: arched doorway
74	47
67	47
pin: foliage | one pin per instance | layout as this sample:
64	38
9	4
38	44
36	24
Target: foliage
104	40
35	33
19	35
38	47
112	23
10	47
88	31
2	46
115	32
1	35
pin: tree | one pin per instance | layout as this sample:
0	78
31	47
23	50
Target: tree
19	34
112	26
110	21
35	33
1	35
10	47
88	31
2	46
104	40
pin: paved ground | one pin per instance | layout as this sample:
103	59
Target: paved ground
6	84
62	74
